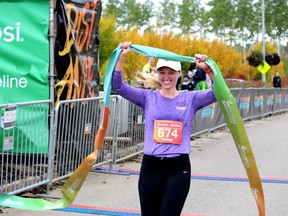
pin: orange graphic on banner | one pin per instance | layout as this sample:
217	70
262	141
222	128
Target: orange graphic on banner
169	132
78	84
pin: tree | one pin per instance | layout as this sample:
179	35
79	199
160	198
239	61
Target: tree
147	13
108	40
135	14
189	13
237	23
165	18
130	13
243	23
221	17
113	8
203	21
277	16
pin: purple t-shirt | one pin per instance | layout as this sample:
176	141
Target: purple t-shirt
157	107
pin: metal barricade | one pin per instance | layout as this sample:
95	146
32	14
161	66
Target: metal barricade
76	125
130	142
24	136
37	149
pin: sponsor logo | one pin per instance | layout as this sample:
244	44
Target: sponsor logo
13	202
181	105
278	98
10	34
243	155
270	99
258	101
208	111
91	163
244	103
12	82
255	192
71	189
228	107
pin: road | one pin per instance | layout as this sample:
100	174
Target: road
213	154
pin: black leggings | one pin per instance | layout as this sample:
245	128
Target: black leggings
163	185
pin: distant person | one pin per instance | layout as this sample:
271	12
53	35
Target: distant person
149	67
199	79
277	81
187	83
191	70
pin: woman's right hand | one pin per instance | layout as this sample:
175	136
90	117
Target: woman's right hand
125	47
125	50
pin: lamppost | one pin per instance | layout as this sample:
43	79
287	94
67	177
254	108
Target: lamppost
263	40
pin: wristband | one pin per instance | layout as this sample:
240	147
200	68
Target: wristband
207	70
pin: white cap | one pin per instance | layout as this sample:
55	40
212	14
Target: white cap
175	65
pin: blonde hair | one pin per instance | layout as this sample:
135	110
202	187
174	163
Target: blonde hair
147	80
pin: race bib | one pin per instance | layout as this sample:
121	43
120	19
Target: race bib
169	132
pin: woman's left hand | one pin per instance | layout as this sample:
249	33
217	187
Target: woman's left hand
200	62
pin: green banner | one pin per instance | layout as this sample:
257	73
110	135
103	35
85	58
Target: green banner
24	60
24	51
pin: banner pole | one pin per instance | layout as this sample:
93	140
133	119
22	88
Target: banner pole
52	82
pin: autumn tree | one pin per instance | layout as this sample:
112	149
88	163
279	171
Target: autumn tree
237	23
221	17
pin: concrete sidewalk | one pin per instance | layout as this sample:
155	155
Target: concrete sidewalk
218	184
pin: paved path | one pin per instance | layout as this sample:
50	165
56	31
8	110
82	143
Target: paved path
212	156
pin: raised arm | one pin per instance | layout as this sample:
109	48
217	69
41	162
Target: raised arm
126	49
